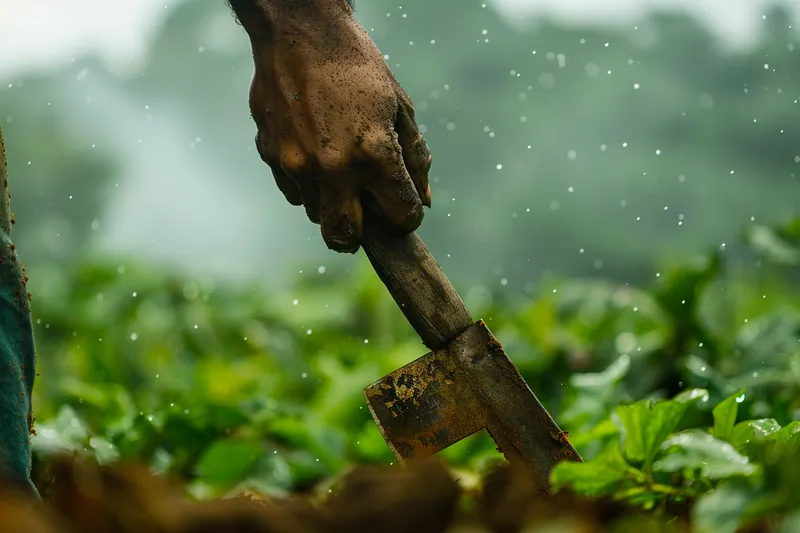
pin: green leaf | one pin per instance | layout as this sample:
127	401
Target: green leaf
605	473
646	425
602	380
224	416
602	431
591	401
705	371
696	450
691	395
226	462
761	438
752	431
725	415
721	510
271	476
786	433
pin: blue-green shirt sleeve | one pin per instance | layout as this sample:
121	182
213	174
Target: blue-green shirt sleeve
17	353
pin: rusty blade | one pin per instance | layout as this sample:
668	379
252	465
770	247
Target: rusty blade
468	385
424	407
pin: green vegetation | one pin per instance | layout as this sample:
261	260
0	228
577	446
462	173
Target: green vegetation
627	236
236	388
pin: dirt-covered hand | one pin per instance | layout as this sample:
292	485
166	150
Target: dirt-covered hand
333	123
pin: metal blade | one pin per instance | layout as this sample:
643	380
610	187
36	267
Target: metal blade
425	406
455	391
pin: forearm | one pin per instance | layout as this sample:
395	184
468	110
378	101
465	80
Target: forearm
17	353
262	18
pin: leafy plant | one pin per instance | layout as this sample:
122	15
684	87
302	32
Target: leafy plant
233	389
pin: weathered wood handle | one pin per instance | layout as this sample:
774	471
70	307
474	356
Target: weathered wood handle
417	284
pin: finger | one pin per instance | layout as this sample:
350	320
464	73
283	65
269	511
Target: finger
341	214
416	155
286	185
309	190
393	190
296	164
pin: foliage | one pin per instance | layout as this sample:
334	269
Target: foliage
735	473
733	470
243	388
680	385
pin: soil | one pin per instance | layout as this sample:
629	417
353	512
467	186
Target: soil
426	498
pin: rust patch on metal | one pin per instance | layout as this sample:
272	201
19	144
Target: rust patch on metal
460	389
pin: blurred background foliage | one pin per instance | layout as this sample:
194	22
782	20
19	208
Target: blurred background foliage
617	203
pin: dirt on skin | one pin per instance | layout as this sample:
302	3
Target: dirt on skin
334	125
426	498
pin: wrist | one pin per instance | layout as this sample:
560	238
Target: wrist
271	14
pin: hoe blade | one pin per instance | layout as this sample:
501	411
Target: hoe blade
425	406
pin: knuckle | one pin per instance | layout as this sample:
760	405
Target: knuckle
293	159
333	160
381	147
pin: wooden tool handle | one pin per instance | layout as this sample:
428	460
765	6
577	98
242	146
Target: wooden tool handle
417	284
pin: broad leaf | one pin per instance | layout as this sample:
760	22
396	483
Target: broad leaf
605	379
751	431
646	425
696	450
786	433
599	433
271	476
227	462
721	510
605	473
725	415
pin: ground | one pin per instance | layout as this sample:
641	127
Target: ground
426	498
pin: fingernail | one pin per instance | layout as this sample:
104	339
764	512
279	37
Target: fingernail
427	200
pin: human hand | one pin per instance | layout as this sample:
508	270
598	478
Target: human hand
333	123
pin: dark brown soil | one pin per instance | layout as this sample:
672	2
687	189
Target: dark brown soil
421	499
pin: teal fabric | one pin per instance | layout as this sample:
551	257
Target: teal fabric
17	354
